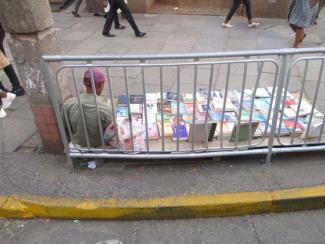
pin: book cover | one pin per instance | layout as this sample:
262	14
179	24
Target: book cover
168	132
182	108
151	98
187	98
219	102
136	99
290	126
200	116
244	129
188	118
136	108
153	132
167	108
172	96
122	111
122	100
152	108
189	108
289	113
197	132
181	129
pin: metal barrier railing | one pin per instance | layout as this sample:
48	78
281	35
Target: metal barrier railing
239	103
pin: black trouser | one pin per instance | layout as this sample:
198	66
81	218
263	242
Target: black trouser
116	21
236	5
9	70
114	6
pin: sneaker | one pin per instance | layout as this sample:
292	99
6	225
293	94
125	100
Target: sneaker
3	113
6	102
227	25
253	25
19	91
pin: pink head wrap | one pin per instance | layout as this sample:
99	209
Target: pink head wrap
99	77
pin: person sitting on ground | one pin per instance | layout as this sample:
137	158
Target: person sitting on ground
87	100
6	98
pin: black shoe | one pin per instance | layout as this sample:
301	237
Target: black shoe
3	88
140	34
120	27
19	91
99	14
107	34
75	14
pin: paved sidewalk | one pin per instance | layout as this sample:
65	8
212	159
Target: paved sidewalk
28	171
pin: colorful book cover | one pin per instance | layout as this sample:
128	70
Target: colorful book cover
122	111
200	116
187	98
290	126
122	100
216	116
168	132
166	107
244	115
188	118
182	135
136	108
257	116
182	108
289	113
189	108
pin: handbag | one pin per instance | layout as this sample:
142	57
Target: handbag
4	62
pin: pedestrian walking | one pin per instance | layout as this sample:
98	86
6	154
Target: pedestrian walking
301	14
321	5
9	70
98	9
235	6
112	13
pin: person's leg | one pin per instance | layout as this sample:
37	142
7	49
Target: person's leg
248	10
128	15
300	35
232	11
76	8
109	20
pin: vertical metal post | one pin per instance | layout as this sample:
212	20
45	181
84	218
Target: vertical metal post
194	104
178	100
145	107
96	104
208	108
113	108
81	110
224	104
162	108
282	76
128	99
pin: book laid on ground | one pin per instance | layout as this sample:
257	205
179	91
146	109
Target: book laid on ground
290	124
168	132
136	104
179	128
153	132
122	111
151	102
218	104
182	108
187	98
199	132
244	131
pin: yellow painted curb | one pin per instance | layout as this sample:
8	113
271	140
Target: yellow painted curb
227	204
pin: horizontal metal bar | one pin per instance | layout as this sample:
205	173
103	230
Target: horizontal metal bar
286	51
76	154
